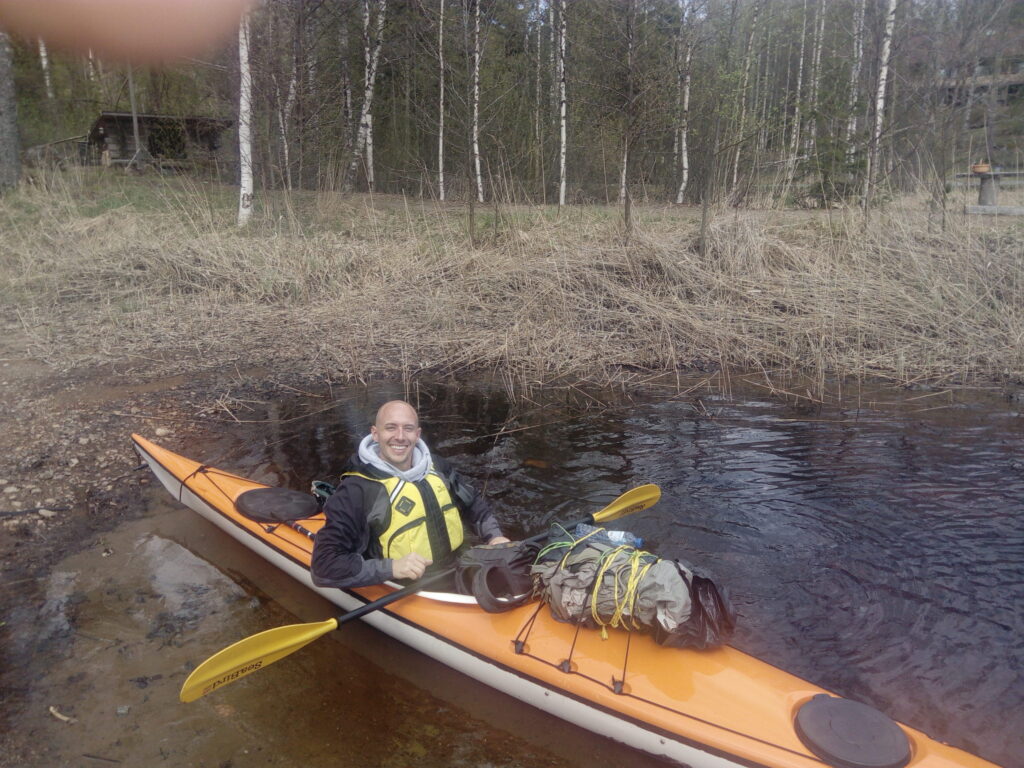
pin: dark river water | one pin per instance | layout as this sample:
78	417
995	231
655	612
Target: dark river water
876	549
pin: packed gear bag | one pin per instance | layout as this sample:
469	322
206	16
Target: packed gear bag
592	581
497	575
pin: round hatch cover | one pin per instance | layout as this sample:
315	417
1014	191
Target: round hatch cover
848	734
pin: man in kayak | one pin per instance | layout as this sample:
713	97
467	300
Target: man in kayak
397	510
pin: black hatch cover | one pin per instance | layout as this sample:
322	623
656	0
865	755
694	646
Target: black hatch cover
276	505
848	734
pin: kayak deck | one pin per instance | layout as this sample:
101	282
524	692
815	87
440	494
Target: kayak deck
712	708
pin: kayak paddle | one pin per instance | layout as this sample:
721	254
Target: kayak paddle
264	648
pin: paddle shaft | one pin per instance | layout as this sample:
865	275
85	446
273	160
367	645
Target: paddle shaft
427	580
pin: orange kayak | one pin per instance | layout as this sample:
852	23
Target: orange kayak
706	709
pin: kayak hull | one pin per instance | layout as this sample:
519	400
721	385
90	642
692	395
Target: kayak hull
706	709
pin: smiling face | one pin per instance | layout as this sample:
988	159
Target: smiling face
397	431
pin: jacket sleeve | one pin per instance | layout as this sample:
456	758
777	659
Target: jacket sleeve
338	559
476	512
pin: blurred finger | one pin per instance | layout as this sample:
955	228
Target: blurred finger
144	31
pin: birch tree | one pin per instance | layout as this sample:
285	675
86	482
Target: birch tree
763	85
475	99
285	107
371	56
91	69
883	78
538	107
794	137
684	59
561	104
440	101
630	104
819	37
856	66
44	63
744	87
244	125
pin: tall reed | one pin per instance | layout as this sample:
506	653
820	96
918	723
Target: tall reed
100	267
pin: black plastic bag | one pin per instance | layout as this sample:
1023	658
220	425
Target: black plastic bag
712	618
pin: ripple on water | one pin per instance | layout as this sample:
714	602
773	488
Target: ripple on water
877	552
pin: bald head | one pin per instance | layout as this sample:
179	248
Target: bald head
396	409
397	430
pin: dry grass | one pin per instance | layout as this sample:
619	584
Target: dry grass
103	268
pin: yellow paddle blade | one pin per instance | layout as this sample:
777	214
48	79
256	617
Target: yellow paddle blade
631	501
248	655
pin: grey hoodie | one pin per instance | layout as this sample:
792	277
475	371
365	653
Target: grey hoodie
369	451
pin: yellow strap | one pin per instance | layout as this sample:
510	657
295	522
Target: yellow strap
630	591
570	546
638	569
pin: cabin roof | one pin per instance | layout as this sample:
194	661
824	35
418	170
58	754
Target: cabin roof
198	123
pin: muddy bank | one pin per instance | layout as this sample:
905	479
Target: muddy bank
66	480
122	622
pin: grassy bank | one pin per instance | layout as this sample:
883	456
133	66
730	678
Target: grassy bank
102	267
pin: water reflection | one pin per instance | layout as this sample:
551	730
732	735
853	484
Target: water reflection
877	551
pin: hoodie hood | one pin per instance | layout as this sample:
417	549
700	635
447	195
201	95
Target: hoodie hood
369	451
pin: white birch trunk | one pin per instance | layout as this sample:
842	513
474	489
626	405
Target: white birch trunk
538	109
309	57
855	70
370	178
44	62
627	133
794	139
883	79
622	170
559	59
562	104
440	102
90	67
284	120
819	36
683	82
366	117
762	86
244	125
744	86
371	55
477	175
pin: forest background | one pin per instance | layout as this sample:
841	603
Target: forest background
720	119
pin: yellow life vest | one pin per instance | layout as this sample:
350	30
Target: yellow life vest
422	518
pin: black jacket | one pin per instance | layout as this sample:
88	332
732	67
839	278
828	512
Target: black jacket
345	552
